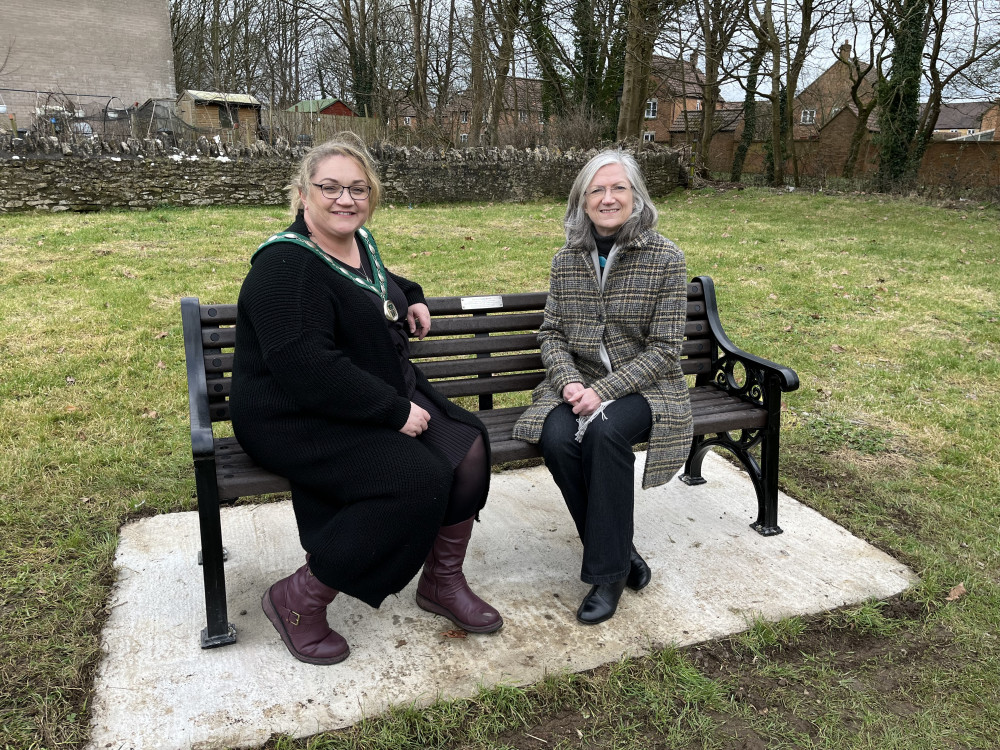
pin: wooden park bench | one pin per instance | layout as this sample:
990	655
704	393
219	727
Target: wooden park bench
484	347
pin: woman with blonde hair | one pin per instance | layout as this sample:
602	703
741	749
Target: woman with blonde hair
611	344
386	474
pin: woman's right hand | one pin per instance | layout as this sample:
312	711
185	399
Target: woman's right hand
417	422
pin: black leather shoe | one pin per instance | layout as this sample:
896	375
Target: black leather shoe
638	573
600	604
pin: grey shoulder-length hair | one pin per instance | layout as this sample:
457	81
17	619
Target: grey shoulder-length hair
580	229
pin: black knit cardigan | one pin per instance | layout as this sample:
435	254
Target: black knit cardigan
318	396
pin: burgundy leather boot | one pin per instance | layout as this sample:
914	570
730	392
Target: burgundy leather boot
296	606
442	588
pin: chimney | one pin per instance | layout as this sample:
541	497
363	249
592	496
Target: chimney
844	53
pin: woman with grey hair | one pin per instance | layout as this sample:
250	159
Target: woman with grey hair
611	344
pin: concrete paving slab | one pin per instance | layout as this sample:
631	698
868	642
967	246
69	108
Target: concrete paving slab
156	688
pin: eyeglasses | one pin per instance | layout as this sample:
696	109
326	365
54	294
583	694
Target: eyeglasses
333	192
617	191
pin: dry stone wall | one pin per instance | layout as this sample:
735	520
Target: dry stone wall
144	175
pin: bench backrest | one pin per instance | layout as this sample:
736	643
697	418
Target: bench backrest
478	346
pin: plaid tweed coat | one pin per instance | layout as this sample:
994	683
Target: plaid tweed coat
640	318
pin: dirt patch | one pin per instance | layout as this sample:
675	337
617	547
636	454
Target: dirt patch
866	664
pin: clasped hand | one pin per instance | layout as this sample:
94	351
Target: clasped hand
584	401
417	422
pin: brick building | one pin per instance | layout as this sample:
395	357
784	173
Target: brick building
830	93
991	119
334	107
675	86
957	119
71	60
521	113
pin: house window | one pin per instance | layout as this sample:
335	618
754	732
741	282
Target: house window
522	115
834	111
464	117
651	109
697	105
463	138
649	136
808	117
225	117
971	131
406	121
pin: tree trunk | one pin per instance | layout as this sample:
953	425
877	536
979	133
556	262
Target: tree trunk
749	113
643	28
507	13
477	81
898	95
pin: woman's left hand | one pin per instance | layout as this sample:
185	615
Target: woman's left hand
584	402
419	318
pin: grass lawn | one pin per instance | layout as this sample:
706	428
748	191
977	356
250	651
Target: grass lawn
888	311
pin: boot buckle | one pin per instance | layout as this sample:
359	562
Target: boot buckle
292	614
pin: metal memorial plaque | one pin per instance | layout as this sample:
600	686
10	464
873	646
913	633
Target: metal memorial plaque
481	303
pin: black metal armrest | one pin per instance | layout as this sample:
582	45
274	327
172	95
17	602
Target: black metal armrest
787	379
202	444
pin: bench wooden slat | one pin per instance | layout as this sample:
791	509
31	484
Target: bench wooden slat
223	362
495	384
693	366
450	368
485	324
216	363
246	484
218	338
224	315
513	342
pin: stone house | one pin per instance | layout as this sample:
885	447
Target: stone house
675	86
69	64
232	117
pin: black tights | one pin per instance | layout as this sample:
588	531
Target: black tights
468	485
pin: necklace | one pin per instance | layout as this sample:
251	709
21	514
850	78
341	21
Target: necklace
361	269
378	285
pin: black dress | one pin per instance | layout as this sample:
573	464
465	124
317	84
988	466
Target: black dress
319	393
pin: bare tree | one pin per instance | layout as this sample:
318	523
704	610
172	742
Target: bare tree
579	48
868	47
717	23
789	33
645	20
959	35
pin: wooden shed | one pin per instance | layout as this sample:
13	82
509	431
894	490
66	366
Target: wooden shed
233	117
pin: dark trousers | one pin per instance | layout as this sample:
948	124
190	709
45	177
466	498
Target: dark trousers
595	477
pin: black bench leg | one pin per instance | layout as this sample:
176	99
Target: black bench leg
220	631
764	479
767	487
692	467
